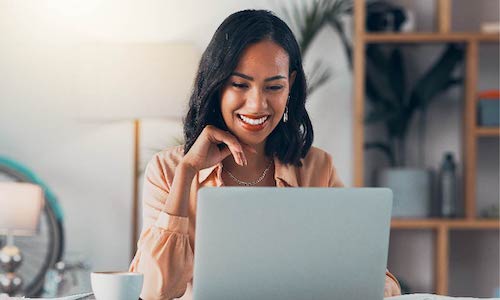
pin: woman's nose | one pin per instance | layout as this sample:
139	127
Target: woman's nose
256	101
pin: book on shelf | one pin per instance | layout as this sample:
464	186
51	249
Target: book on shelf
488	111
490	27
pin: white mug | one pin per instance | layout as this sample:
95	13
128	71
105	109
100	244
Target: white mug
116	285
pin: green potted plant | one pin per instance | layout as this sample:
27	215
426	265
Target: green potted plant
395	103
307	20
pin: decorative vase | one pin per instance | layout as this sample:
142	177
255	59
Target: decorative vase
412	190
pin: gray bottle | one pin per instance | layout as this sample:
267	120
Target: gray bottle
448	202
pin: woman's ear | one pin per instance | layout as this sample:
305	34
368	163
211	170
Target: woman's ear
291	79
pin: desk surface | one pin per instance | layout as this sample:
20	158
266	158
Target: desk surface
404	297
430	297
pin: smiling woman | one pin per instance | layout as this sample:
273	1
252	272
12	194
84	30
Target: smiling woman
246	126
253	56
254	98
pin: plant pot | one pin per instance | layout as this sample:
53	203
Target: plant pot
412	190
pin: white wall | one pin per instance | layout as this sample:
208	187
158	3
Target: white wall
89	165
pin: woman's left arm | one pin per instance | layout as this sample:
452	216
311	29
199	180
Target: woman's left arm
392	287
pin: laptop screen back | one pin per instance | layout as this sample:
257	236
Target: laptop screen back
291	243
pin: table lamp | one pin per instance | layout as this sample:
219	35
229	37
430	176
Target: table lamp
20	207
134	81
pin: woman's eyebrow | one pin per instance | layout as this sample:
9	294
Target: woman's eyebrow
251	78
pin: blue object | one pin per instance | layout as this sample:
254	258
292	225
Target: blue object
489	112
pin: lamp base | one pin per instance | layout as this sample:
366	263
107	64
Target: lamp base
10	260
10	283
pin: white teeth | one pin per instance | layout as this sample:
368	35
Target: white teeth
253	121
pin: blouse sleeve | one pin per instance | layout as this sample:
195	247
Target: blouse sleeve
164	254
334	179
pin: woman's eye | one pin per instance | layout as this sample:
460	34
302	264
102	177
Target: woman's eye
275	87
239	85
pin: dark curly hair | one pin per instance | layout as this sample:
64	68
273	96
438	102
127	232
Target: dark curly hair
289	141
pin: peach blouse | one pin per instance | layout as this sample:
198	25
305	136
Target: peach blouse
165	247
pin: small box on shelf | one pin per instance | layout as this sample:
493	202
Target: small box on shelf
489	108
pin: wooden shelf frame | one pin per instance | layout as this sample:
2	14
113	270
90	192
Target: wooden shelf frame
471	132
429	37
442	229
451	224
359	91
488	131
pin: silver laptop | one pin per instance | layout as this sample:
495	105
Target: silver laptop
291	243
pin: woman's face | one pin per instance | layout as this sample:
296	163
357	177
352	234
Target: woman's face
254	97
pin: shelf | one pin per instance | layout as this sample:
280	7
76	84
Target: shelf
488	131
447	223
429	37
440	228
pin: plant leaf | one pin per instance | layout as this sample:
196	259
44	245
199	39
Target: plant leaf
375	116
437	79
307	20
346	44
378	79
397	76
385	148
318	77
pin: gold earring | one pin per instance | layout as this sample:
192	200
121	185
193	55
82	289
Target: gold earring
285	115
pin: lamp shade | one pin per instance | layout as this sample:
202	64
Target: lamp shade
135	80
20	207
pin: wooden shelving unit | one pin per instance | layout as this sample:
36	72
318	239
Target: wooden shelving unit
471	132
449	224
430	37
487	132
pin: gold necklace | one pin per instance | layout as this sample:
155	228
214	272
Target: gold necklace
251	183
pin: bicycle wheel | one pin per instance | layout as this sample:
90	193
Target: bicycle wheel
42	251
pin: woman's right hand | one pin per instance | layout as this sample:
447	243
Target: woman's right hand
212	146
